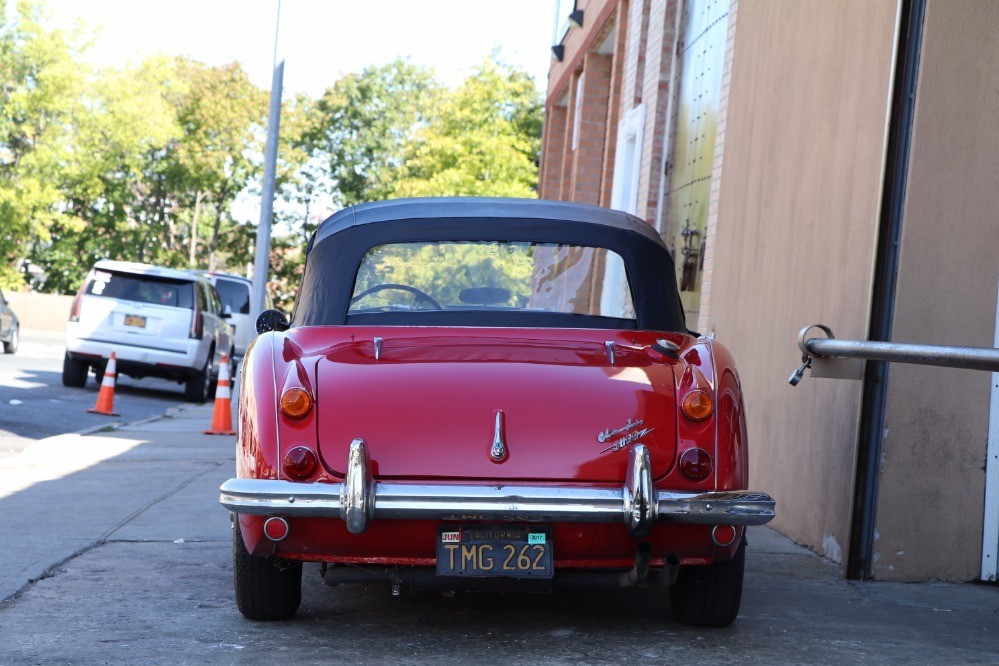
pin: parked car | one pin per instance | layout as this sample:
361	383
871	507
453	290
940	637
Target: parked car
10	329
490	391
234	291
160	322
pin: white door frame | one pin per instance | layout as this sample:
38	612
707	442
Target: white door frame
628	160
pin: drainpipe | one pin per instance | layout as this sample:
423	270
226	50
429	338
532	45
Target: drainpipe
860	557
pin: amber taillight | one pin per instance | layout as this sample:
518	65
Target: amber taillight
697	405
296	403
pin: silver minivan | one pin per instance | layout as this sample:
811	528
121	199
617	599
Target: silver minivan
160	322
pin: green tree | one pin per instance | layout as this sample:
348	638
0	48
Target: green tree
362	124
221	115
41	103
119	189
483	140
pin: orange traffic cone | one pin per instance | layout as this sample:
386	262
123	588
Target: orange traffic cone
105	399
222	417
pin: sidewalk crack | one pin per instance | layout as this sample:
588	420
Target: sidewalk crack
54	569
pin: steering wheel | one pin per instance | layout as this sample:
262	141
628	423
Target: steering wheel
420	296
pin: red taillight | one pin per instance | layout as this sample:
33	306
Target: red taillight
300	463
696	464
74	311
197	325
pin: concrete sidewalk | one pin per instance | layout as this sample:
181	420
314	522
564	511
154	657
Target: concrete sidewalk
115	540
65	495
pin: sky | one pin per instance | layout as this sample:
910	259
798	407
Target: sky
320	40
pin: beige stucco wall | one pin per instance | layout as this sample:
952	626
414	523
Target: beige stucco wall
797	216
930	505
40	312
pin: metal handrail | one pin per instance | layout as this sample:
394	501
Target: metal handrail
970	358
948	356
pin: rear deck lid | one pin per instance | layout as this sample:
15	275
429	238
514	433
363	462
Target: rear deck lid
428	407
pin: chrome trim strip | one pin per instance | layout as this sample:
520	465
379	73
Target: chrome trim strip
360	499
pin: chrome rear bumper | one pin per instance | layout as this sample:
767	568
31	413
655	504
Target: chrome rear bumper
360	499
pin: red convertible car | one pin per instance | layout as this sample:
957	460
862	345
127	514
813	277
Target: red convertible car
490	393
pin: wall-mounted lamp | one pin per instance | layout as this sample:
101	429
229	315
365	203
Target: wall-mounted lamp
558	51
576	18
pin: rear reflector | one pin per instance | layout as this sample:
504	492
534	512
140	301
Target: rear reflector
276	529
723	535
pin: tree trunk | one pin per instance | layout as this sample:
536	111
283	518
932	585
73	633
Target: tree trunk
219	207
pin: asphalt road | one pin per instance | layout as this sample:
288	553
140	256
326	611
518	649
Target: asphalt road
34	404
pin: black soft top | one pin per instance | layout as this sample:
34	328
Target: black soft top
336	250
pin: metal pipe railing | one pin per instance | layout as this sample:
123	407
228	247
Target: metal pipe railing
968	358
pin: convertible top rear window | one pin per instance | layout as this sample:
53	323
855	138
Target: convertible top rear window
497	276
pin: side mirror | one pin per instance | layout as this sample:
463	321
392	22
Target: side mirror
227	312
271	320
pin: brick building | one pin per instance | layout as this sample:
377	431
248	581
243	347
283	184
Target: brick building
806	162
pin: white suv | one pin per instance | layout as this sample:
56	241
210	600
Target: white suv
235	294
160	322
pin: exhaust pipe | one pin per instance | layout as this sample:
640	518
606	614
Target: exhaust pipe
640	571
671	570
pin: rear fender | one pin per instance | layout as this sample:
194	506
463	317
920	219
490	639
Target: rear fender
732	457
257	443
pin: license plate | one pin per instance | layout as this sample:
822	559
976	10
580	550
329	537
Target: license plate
135	320
488	550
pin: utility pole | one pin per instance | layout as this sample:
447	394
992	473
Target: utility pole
262	260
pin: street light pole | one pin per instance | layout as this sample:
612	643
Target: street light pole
262	258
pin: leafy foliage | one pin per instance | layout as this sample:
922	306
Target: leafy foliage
482	141
155	161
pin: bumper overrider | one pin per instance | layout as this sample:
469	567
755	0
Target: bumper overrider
360	499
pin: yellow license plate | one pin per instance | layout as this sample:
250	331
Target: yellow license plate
512	552
135	320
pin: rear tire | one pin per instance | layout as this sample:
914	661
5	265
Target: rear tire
197	387
74	373
10	347
266	588
709	596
